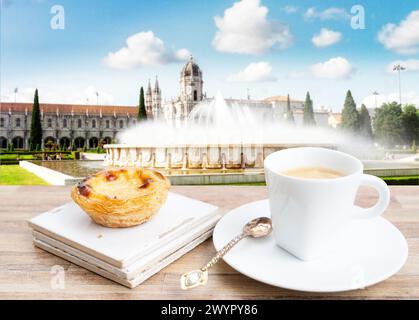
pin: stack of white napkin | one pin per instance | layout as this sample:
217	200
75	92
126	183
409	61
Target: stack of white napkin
126	255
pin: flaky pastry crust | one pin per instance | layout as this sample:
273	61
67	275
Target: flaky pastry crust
122	197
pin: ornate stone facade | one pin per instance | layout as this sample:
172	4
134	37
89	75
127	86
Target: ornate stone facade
191	93
176	111
83	125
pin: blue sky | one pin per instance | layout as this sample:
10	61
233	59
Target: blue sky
266	46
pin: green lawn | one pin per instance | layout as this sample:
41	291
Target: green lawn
15	175
14	156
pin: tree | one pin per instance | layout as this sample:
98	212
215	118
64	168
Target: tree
350	116
365	122
49	144
388	124
102	142
289	114
142	114
410	119
308	115
35	137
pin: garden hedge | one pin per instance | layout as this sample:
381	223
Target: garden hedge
402	181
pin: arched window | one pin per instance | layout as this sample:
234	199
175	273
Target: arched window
17	142
106	140
79	142
78	123
18	122
108	124
49	142
93	123
64	123
65	142
1	122
121	124
3	143
93	142
195	95
49	122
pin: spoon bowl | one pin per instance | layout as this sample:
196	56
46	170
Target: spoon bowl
259	227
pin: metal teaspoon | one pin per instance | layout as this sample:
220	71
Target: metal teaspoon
256	228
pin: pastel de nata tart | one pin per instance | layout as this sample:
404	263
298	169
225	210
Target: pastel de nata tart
122	197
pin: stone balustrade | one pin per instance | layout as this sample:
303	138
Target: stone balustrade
220	156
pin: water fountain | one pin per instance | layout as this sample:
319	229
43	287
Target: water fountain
216	136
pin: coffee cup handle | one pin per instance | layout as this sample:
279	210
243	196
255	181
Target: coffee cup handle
383	198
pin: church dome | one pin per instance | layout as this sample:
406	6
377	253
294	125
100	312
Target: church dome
191	68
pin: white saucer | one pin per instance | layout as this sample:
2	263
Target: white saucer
371	251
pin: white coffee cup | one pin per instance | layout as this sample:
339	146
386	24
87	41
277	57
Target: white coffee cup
309	214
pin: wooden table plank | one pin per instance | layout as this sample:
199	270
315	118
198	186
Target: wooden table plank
25	271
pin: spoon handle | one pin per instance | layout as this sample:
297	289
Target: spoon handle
223	251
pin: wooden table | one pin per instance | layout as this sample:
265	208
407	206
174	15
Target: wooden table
25	271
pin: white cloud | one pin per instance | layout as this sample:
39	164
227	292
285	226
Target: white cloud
327	14
182	54
410	97
143	48
326	38
334	68
289	9
411	65
254	72
402	38
244	28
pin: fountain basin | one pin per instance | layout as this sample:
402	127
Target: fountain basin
196	156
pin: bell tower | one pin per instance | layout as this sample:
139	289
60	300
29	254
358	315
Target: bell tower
148	99
156	101
191	83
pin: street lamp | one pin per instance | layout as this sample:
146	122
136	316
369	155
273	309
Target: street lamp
399	68
375	93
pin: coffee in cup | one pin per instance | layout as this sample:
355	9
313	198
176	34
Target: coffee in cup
313	173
